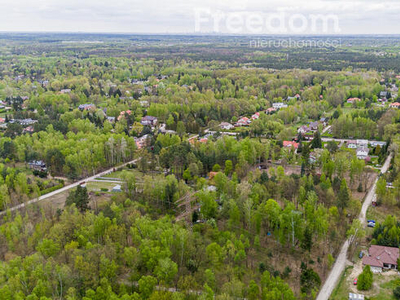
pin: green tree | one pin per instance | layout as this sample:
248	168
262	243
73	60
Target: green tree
146	286
316	142
343	195
365	279
79	197
228	167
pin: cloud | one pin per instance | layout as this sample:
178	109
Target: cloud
157	16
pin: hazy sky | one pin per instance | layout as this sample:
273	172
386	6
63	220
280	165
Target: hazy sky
178	16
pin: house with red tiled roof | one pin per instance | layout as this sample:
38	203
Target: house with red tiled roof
394	105
123	113
290	144
381	257
352	100
255	116
270	110
243	122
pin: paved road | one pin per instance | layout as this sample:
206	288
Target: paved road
65	188
326	129
340	262
324	139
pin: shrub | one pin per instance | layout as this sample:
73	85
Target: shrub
365	279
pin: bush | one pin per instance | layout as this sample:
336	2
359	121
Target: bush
51	189
104	189
41	174
365	279
396	292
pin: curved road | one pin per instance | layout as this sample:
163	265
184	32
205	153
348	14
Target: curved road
340	262
65	188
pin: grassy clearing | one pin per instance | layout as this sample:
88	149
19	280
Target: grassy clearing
341	291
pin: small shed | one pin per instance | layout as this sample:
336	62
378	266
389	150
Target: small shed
356	296
116	189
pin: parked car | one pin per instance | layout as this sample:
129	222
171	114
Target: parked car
355	281
361	254
371	224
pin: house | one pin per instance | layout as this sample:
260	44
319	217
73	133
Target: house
142	141
270	110
383	94
378	143
304	129
279	105
212	174
313	158
313	126
356	296
144	103
149	121
87	106
394	105
243	121
324	121
37	165
203	140
28	129
290	144
116	189
226	126
362	143
381	257
2	120
352	144
65	91
123	113
362	152
24	122
211	188
255	116
352	100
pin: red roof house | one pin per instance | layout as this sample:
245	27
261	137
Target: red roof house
290	144
395	105
381	257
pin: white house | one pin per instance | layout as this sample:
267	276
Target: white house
362	152
352	145
149	121
279	105
226	126
362	143
378	143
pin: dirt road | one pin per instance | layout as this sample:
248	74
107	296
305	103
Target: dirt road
340	262
65	188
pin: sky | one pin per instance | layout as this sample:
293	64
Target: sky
202	16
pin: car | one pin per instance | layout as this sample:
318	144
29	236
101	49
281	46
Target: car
371	224
355	281
361	254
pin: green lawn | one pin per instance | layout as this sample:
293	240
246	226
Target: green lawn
341	292
383	285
